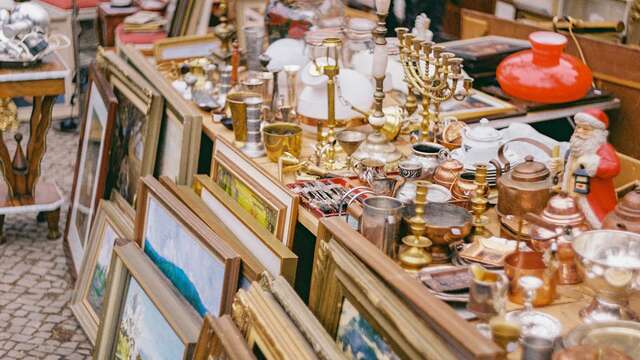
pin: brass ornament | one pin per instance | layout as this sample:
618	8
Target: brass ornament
8	114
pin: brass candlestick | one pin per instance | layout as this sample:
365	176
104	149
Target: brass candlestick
556	168
435	75
224	31
415	255
479	204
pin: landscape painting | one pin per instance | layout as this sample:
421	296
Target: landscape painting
192	269
143	332
98	284
358	339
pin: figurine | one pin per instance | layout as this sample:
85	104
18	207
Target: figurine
421	28
591	166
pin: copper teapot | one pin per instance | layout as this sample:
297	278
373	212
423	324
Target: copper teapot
561	220
447	172
525	189
626	215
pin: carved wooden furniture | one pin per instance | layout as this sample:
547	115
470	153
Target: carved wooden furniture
109	17
21	191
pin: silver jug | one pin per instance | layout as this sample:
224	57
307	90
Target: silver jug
381	218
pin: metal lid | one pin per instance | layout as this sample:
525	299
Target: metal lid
530	171
483	132
629	207
562	210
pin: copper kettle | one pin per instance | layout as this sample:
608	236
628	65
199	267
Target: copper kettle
447	172
626	215
561	220
525	189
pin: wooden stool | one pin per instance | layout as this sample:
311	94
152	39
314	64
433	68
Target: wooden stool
22	192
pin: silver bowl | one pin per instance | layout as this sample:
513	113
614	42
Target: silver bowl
609	263
620	335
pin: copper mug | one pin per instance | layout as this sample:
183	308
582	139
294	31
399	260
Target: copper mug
529	263
369	169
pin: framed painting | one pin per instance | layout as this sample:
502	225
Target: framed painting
485	47
478	105
322	344
144	317
269	202
136	130
268	331
200	264
220	339
259	250
92	163
349	271
179	143
184	47
110	224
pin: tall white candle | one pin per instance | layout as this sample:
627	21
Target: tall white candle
380	59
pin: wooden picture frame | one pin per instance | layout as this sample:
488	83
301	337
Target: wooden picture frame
475	106
134	284
268	330
178	18
179	143
485	47
110	224
261	193
322	344
137	127
200	264
184	47
91	164
221	339
432	315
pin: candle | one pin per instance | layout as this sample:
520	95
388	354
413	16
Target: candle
380	59
382	6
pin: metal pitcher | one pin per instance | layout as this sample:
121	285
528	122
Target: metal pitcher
381	219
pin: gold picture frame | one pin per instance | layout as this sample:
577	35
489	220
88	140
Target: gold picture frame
268	330
138	292
271	203
197	261
179	143
142	106
110	224
260	251
184	47
220	339
475	106
432	318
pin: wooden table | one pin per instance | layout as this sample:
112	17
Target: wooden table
109	17
22	192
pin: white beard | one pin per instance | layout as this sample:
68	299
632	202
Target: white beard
580	146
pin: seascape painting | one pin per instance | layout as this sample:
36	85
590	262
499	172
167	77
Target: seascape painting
98	285
265	214
358	339
192	269
143	332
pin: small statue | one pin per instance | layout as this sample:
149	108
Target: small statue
421	28
592	157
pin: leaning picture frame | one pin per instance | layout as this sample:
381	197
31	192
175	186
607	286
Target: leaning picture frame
475	106
110	224
137	128
144	316
258	315
92	163
221	339
461	337
197	261
272	204
179	143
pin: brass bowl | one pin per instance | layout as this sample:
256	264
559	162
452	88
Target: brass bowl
279	138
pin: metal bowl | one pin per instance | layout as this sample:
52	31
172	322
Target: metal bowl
280	138
609	263
620	335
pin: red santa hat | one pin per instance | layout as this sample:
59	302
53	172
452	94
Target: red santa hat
593	117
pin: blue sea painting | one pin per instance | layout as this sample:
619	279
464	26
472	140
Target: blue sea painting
192	269
357	338
143	332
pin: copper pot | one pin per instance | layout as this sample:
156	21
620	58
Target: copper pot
561	220
519	264
464	187
525	189
626	215
447	172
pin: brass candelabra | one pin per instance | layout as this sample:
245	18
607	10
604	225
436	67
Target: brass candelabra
434	74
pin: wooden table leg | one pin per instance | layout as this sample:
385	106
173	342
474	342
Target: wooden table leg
39	126
53	218
2	238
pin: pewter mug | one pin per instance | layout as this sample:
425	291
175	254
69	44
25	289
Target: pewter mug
486	295
381	218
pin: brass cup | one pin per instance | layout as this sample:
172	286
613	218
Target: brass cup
235	102
279	138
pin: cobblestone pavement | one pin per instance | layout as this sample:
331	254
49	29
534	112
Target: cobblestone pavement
35	287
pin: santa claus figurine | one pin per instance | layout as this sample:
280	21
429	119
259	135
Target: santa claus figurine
592	157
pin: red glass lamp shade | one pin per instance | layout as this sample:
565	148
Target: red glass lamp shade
544	74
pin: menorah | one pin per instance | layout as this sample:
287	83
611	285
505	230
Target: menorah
434	74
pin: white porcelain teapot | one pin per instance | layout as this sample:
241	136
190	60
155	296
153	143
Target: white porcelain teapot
481	143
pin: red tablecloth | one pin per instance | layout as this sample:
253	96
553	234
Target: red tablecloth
68	4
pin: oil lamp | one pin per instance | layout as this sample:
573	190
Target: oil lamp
581	181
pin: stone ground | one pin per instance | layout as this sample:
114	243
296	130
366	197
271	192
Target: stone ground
35	287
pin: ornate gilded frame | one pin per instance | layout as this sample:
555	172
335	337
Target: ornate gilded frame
220	339
107	215
130	262
363	269
266	327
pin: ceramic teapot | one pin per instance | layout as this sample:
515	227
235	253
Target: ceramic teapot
481	143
